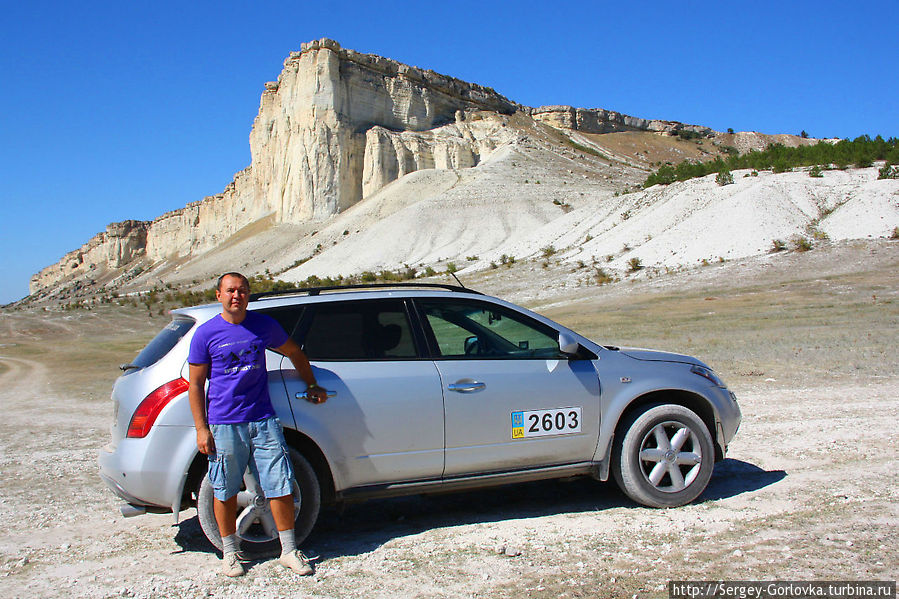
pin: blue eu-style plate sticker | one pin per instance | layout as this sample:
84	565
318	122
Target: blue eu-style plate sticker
517	425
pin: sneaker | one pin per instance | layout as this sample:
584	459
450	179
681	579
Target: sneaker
296	561
231	565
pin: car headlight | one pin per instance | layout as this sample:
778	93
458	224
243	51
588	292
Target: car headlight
708	374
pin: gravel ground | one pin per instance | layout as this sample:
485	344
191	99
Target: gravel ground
805	493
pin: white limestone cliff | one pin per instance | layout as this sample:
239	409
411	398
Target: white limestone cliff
336	127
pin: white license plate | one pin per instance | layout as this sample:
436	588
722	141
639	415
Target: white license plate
541	423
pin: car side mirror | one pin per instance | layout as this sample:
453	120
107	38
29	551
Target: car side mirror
568	344
573	350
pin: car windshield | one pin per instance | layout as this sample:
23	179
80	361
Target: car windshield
163	342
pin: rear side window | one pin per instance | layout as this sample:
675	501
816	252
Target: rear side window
288	317
163	342
369	330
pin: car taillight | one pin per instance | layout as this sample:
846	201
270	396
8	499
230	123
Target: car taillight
146	413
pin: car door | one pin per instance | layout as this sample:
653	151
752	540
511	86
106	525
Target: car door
383	421
512	400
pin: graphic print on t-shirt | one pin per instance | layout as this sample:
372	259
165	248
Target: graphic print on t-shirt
241	359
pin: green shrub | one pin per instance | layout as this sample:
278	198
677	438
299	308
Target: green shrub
802	244
548	251
816	171
724	178
581	148
778	245
686	134
888	171
781	166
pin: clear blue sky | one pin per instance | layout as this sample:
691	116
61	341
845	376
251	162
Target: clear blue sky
124	110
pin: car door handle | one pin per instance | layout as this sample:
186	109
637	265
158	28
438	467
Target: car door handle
464	386
302	394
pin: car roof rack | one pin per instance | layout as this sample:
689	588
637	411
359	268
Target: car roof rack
318	290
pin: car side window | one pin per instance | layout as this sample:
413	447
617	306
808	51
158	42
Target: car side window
358	330
287	316
479	330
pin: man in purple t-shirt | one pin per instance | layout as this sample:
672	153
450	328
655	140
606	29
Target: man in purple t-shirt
239	428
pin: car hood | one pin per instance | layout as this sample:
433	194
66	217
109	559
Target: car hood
653	355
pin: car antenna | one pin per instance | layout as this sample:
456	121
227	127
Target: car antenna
458	281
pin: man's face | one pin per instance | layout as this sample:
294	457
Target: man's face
234	295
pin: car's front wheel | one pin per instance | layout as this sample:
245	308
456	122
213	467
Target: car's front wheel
664	457
255	524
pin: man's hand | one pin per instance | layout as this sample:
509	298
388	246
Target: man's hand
205	442
316	394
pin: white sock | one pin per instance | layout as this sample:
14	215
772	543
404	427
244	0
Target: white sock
288	541
231	544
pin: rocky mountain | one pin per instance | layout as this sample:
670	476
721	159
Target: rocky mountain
362	163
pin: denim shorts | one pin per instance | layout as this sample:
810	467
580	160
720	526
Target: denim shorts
259	445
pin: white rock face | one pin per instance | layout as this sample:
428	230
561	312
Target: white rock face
598	120
117	246
336	126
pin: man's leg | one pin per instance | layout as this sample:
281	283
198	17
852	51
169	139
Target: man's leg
226	515
226	519
226	475
270	460
283	511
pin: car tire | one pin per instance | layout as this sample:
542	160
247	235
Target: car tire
256	538
665	456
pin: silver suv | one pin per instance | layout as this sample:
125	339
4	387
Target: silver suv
432	388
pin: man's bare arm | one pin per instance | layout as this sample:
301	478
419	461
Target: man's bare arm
196	393
314	393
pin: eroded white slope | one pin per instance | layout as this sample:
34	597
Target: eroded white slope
430	218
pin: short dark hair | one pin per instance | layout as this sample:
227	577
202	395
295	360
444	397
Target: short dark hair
232	274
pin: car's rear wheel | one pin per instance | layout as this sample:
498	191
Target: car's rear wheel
255	524
665	456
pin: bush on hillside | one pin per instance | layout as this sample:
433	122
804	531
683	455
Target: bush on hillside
888	172
724	178
777	157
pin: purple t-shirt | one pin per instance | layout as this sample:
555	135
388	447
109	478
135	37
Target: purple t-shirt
238	380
